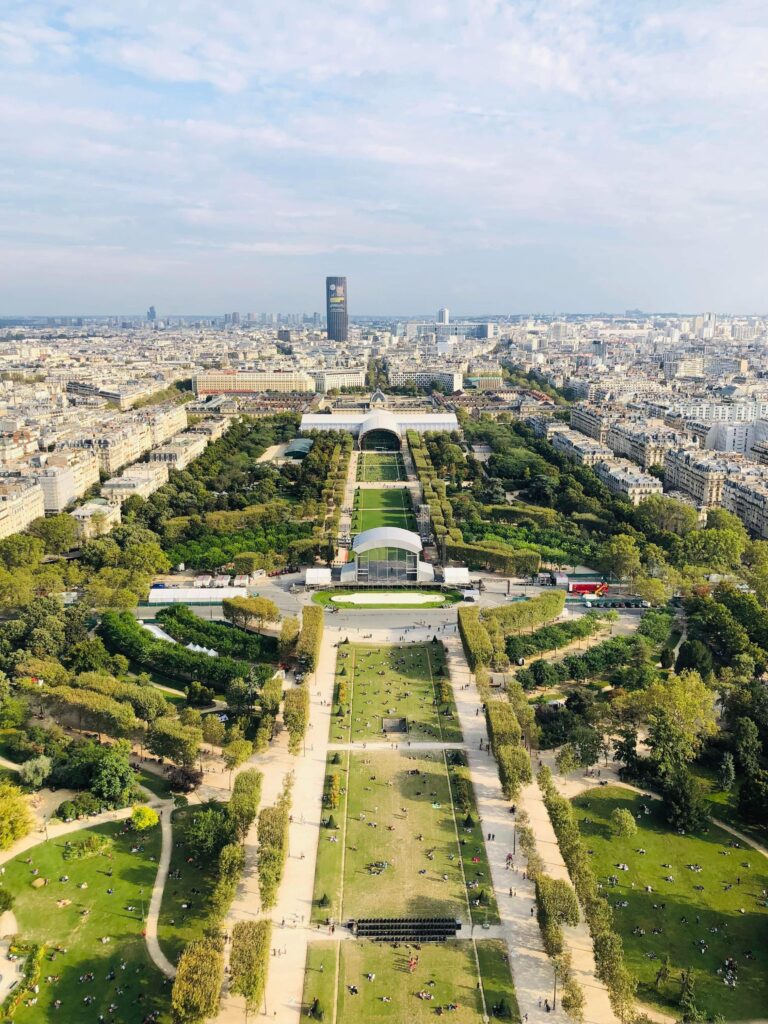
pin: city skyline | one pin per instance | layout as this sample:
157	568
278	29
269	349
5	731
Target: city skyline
564	156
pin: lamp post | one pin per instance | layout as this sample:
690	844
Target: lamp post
554	994
514	839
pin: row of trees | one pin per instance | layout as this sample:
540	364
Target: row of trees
273	846
180	622
485	633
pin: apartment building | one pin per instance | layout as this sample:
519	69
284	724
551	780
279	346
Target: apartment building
141	480
623	477
95	518
593	422
165	422
645	447
180	452
21	502
83	464
451	380
245	382
212	428
117	446
702	474
328	380
581	449
748	499
58	484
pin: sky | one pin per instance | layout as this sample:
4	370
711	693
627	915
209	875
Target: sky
489	155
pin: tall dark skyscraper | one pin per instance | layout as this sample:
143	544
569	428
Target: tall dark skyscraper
336	306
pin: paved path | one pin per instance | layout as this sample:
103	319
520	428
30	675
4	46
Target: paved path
159	958
401	745
285	984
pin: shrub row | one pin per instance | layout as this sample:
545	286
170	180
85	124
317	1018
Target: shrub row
197	986
249	961
180	622
608	948
494	559
310	637
273	847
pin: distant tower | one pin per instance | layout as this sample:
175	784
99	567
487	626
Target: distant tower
336	305
443	316
152	314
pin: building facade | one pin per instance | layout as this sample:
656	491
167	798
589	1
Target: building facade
336	308
623	477
249	382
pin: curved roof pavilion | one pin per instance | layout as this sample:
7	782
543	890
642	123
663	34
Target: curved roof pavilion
387	537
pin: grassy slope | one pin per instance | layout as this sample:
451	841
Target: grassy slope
714	906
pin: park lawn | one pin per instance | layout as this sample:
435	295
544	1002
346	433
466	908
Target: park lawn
395	681
177	926
330	599
496	977
382	507
320	984
446	970
373	467
330	853
713	908
156	784
725	806
474	855
381	790
40	920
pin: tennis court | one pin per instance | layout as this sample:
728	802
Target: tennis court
375	467
382	507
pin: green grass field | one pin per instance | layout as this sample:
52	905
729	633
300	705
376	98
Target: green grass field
382	507
135	990
447	972
335	599
402	681
177	924
375	467
725	806
399	814
718	905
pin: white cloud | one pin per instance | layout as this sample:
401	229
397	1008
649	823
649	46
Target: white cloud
378	128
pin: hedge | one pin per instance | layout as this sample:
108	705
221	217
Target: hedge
273	848
180	622
122	634
477	644
249	961
197	986
310	636
483	556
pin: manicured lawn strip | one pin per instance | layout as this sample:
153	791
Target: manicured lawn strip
373	467
713	908
41	920
497	977
320	984
395	681
178	926
447	971
328	869
382	507
472	845
399	890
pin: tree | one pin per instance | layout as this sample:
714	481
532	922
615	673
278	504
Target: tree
241	611
623	822
58	533
695	655
113	778
200	696
213	730
34	772
559	901
654	591
192	717
179	743
143	818
567	759
620	556
15	818
747	745
726	775
289	634
684	705
685	801
208	831
239	697
236	753
244	802
6	900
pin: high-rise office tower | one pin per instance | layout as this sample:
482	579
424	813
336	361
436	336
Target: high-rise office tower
151	314
443	316
336	306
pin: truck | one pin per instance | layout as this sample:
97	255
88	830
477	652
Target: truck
597	588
